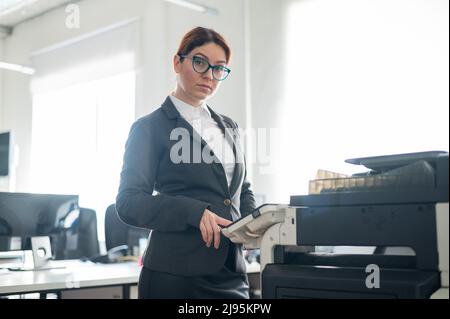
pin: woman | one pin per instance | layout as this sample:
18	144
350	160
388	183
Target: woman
184	177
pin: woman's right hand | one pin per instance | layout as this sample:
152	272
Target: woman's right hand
210	227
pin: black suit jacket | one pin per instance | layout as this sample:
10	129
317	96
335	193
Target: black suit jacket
170	198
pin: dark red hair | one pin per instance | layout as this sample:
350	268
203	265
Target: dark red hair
200	36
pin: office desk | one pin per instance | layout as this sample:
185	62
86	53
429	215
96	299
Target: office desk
75	275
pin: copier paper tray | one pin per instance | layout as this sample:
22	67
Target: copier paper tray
415	170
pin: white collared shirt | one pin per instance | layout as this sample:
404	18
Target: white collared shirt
201	120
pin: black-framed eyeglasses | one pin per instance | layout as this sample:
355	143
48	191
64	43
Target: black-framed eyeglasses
201	65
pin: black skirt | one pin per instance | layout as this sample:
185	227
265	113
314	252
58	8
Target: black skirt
225	284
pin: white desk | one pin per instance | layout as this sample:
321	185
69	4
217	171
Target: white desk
74	275
70	281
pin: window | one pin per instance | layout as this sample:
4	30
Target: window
364	78
78	138
83	106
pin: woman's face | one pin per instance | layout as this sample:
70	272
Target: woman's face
193	87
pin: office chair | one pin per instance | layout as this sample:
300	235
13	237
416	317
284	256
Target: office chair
80	240
88	244
118	233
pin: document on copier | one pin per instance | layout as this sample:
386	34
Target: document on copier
324	174
249	229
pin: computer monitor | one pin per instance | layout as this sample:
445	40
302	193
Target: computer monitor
23	216
5	141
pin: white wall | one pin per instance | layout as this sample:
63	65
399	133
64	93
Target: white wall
1	85
4	181
266	85
162	24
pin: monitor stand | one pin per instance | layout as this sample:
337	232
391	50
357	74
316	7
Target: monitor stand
42	251
42	254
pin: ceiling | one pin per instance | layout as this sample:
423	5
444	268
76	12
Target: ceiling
13	12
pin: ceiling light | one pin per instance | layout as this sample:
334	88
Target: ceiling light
6	4
9	6
17	68
194	6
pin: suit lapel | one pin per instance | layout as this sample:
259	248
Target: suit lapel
230	134
216	166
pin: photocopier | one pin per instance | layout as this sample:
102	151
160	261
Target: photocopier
399	207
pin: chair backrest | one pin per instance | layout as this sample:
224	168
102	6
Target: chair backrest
118	233
88	244
80	241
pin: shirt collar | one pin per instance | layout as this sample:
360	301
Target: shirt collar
189	111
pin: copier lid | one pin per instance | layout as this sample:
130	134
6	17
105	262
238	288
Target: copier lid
388	162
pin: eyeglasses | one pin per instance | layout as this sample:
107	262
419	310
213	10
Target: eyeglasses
202	66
